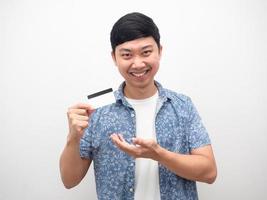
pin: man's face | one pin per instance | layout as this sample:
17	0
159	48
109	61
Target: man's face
138	61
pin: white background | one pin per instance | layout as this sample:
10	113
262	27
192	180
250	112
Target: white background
55	52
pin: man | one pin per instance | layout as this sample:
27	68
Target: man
151	143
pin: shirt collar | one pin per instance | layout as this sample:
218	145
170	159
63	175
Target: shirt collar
163	94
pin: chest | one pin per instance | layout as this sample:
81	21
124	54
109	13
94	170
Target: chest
167	126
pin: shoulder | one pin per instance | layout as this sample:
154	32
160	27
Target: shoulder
180	103
178	98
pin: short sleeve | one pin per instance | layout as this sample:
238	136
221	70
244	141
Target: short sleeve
86	144
197	133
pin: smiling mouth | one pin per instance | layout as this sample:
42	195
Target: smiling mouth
139	74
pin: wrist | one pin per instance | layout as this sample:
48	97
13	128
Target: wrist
159	153
73	140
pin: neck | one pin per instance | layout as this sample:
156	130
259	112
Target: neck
140	92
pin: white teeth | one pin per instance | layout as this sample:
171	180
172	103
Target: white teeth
139	74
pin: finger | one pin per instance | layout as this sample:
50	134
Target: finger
140	141
121	143
84	106
77	111
78	117
120	136
127	148
115	138
79	123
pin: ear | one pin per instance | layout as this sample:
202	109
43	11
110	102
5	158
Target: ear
114	57
160	51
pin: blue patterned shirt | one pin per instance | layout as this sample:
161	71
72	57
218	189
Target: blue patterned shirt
178	129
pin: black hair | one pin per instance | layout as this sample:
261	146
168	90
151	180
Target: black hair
133	26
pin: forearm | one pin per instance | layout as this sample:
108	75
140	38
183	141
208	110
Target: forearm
193	167
72	167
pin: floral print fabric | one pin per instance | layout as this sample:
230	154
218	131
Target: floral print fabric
178	129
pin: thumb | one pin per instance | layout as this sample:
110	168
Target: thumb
89	109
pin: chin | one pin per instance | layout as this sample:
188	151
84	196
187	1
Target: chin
142	84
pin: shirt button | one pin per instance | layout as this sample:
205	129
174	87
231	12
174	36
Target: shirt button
131	189
132	114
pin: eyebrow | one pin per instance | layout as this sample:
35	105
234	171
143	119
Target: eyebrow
129	50
147	46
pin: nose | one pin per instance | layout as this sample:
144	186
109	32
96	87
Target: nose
138	62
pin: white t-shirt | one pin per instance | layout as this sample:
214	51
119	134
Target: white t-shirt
146	170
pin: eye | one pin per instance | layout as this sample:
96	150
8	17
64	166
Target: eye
147	52
126	55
